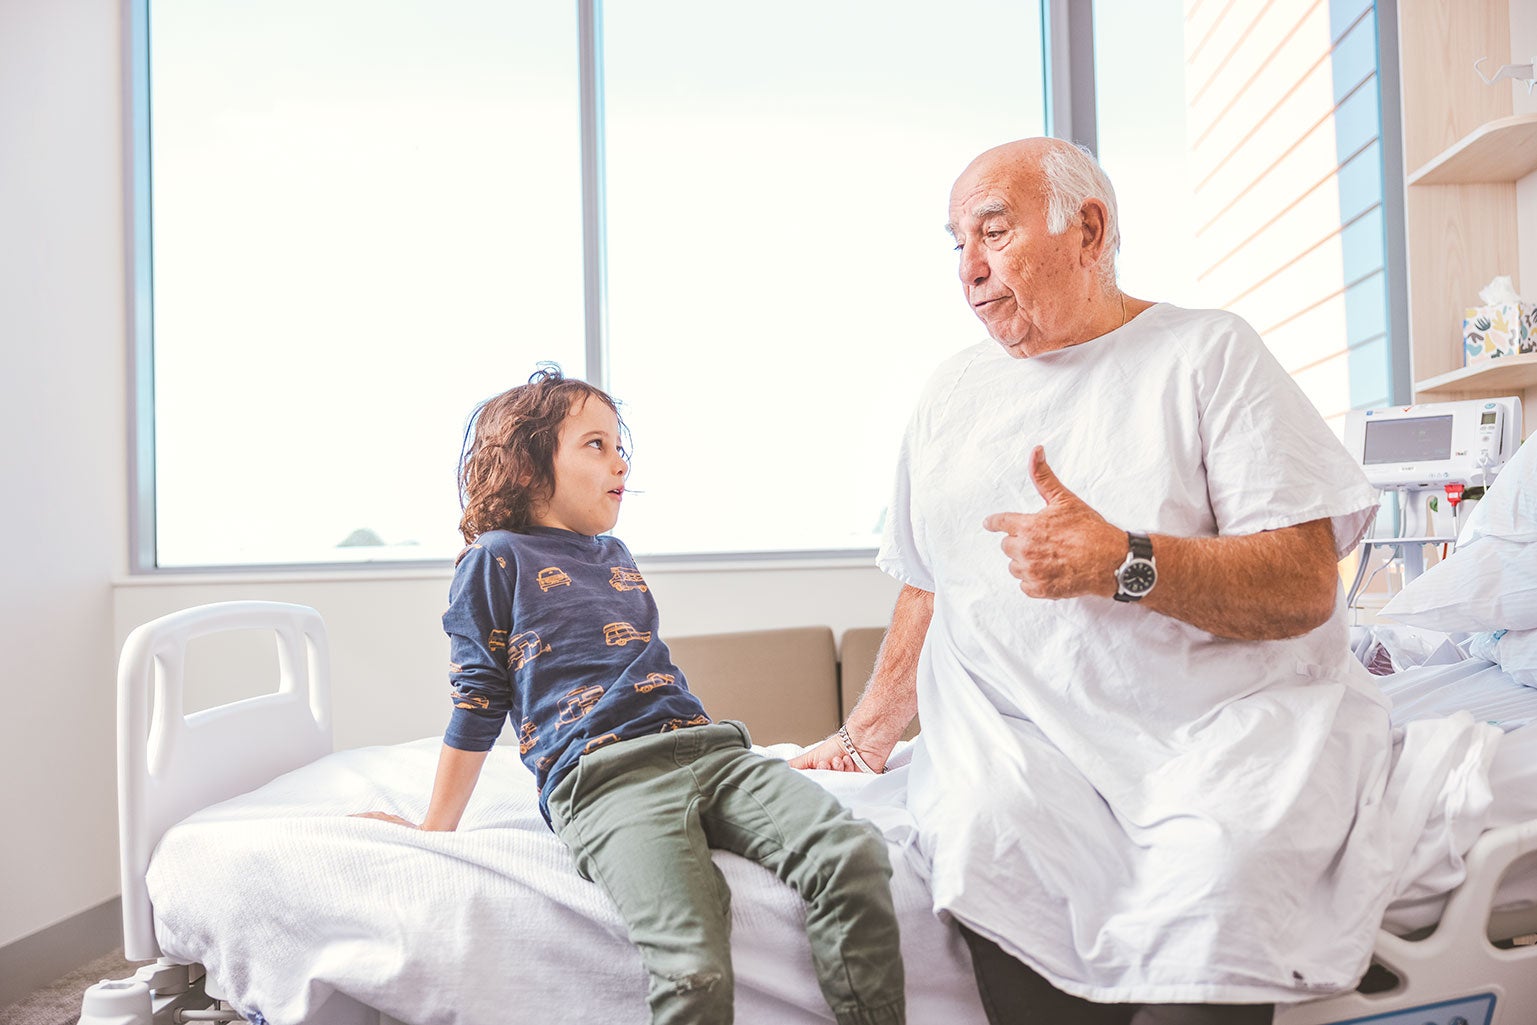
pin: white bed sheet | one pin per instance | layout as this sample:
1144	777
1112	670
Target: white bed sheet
1491	695
285	899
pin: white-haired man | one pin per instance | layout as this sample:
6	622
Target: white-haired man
1150	774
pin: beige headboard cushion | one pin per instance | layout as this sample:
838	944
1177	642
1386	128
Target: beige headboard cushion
857	659
782	683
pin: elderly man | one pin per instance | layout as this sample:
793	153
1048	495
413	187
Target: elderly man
1150	777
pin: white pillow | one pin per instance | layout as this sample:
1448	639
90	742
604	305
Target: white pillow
1509	508
1488	585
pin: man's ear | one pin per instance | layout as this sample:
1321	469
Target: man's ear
1093	217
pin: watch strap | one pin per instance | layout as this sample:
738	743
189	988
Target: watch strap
1141	545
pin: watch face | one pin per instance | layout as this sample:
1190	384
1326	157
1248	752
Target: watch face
1138	578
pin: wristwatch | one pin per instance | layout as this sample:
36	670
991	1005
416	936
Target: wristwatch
1139	572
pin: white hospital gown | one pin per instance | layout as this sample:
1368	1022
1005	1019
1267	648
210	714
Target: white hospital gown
1138	809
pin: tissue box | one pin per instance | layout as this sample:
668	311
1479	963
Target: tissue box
1502	329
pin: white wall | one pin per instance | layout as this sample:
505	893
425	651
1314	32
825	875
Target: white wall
389	656
67	602
62	454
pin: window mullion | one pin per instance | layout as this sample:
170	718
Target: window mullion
142	555
1067	62
594	213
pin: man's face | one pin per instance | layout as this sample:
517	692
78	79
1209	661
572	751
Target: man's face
1022	282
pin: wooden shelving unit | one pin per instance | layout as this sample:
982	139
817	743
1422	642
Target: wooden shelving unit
1467	147
1509	375
1499	151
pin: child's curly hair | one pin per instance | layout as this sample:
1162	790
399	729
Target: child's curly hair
507	462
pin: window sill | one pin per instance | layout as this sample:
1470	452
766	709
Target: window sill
735	562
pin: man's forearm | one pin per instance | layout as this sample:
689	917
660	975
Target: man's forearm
1256	587
890	699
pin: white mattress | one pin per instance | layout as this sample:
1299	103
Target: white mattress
1486	691
285	899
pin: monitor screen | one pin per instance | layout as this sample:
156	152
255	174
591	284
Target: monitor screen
1417	440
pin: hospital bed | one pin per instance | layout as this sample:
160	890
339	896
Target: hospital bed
239	859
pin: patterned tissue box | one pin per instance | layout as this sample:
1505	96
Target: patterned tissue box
1504	329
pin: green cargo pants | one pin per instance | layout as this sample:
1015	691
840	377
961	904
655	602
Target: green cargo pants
640	818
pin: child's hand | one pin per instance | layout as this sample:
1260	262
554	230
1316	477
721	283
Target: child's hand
384	816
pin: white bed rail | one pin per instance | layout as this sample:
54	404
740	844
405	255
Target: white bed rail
1456	960
171	764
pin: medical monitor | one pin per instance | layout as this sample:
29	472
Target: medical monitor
1435	443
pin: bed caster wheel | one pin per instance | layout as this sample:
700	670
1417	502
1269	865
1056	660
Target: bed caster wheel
124	1002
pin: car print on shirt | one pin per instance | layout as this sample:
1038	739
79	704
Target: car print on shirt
621	634
579	702
528	736
623	579
497	641
470	700
678	724
524	648
552	576
597	742
653	681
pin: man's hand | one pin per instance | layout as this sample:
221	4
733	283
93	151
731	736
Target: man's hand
1066	550
829	754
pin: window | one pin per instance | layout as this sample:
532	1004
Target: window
1245	144
780	284
363	223
365	217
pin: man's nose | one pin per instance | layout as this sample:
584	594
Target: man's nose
973	267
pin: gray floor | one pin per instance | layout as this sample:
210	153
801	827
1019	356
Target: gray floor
58	1003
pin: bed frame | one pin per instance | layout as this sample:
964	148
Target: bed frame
171	765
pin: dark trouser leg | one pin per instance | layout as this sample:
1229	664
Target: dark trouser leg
1015	994
1204	1014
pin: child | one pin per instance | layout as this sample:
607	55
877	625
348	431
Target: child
552	624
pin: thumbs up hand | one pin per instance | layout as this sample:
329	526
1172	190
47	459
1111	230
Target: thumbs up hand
1067	550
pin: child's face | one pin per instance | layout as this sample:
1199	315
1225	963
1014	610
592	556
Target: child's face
590	469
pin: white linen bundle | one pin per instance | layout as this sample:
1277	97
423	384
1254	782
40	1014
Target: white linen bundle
1488	587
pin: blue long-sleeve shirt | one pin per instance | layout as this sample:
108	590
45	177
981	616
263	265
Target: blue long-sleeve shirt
557	630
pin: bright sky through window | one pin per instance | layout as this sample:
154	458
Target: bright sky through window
780	283
367	218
